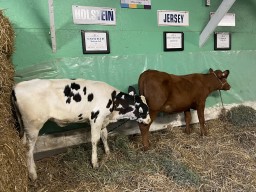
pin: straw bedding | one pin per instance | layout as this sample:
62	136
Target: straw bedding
222	161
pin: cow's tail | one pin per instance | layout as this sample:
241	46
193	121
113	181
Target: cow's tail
141	84
17	115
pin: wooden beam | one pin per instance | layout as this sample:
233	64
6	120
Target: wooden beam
52	26
214	21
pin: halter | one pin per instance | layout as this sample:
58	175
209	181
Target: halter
222	84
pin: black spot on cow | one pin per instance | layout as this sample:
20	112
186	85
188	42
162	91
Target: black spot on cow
77	97
90	97
113	95
68	100
75	86
80	116
84	90
125	110
67	91
124	103
109	103
94	115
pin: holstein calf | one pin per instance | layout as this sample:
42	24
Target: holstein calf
74	101
171	94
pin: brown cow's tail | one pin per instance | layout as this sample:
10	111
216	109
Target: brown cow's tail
141	84
17	115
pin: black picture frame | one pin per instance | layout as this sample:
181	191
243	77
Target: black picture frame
222	41
173	41
95	42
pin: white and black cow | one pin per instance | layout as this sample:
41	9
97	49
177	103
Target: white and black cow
67	101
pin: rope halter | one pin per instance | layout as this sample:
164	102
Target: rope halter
222	84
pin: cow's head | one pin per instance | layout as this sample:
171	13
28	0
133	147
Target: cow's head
132	106
222	77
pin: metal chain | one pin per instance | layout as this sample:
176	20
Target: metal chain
221	99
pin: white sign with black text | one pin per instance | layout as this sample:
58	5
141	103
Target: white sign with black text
229	19
173	18
94	15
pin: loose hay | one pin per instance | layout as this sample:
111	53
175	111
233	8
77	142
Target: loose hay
241	116
13	168
223	161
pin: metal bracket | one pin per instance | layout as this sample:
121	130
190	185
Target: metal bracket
52	26
214	21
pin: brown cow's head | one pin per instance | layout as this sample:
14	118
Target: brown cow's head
222	77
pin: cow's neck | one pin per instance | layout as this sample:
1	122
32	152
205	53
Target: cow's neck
124	106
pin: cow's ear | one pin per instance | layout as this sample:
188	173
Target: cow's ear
131	91
225	73
210	70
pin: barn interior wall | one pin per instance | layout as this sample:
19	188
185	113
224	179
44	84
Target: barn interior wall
136	44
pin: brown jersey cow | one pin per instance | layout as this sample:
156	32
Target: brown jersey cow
172	94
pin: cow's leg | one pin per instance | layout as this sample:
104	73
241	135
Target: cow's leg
200	113
144	130
187	120
32	131
95	137
104	138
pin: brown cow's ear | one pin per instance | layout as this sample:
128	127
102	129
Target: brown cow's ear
225	73
210	70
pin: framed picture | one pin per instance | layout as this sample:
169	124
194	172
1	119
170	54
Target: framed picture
222	41
95	42
173	41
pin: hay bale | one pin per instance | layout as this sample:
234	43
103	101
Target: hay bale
14	176
6	36
240	116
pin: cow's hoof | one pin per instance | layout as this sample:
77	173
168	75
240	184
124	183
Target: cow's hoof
187	131
204	134
32	177
95	165
107	152
145	148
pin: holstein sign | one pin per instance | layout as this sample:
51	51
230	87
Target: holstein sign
173	18
94	15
